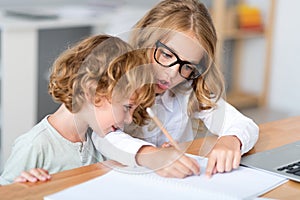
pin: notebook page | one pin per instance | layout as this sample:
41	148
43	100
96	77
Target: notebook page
244	183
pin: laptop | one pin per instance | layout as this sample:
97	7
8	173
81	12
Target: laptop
284	161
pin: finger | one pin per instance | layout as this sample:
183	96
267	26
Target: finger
183	168
229	162
20	179
191	164
28	177
221	162
44	173
237	160
36	173
195	167
211	163
166	145
215	170
170	172
177	172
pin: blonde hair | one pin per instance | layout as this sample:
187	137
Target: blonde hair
185	16
102	66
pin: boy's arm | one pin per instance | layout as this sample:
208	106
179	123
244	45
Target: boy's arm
24	156
33	175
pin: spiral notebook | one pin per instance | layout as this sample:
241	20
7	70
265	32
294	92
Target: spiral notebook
139	183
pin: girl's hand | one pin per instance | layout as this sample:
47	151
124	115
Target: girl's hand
177	165
34	175
225	155
168	162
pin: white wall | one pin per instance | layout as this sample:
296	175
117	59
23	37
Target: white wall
22	3
284	82
285	74
283	93
253	56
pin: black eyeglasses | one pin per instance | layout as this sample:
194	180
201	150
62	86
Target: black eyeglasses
164	56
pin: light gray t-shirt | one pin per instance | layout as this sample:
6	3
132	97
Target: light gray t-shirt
43	147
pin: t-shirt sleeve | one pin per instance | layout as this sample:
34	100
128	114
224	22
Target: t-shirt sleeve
119	146
25	156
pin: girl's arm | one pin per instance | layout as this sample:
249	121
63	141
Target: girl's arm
167	162
130	151
119	146
237	135
225	120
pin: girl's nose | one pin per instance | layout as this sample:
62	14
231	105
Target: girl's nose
174	70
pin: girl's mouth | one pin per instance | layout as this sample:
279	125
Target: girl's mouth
164	85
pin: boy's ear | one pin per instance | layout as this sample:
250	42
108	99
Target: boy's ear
96	101
88	97
99	101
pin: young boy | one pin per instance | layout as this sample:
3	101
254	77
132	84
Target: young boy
99	82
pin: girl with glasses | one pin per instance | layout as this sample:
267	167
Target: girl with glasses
179	40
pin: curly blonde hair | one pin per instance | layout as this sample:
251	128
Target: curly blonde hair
102	66
184	16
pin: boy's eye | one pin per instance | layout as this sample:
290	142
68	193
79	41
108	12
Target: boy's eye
127	108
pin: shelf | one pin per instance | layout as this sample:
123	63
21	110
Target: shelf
243	100
242	34
231	54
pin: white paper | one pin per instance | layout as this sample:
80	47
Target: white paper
243	183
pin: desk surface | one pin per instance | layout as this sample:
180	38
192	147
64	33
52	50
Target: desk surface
272	135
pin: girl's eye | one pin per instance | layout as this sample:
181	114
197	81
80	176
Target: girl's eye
188	68
166	54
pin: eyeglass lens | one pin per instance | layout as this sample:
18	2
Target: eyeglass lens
167	58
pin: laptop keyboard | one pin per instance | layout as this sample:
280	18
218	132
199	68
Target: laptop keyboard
293	168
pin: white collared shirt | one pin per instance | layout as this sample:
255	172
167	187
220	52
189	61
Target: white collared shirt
172	112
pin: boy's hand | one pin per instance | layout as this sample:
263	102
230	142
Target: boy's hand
34	175
167	162
166	145
225	155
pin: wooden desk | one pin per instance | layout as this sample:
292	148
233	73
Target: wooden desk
272	135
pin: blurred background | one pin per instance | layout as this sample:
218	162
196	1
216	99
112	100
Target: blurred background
257	51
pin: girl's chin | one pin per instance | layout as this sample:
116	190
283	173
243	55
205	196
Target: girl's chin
160	90
163	86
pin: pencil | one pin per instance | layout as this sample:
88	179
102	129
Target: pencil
162	128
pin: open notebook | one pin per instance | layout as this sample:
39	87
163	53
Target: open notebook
243	183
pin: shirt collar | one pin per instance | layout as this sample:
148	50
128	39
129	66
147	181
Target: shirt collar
167	101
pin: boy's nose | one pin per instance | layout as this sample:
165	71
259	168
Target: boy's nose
128	118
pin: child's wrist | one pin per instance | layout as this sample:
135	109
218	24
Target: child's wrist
143	154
